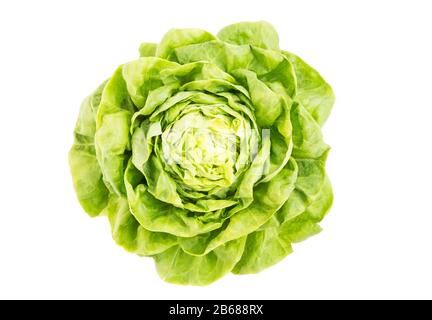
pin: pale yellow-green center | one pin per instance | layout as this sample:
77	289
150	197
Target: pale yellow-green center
205	149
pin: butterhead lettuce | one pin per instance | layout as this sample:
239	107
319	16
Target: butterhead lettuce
206	153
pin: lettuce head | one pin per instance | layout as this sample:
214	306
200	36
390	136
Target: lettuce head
206	153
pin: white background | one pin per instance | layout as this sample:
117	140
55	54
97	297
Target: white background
377	55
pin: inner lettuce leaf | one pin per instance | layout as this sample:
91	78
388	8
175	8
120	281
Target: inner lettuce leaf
206	153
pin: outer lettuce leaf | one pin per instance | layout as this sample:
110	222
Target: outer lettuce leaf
259	34
263	249
112	138
141	76
176	38
147	49
87	175
129	234
176	266
306	223
314	93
